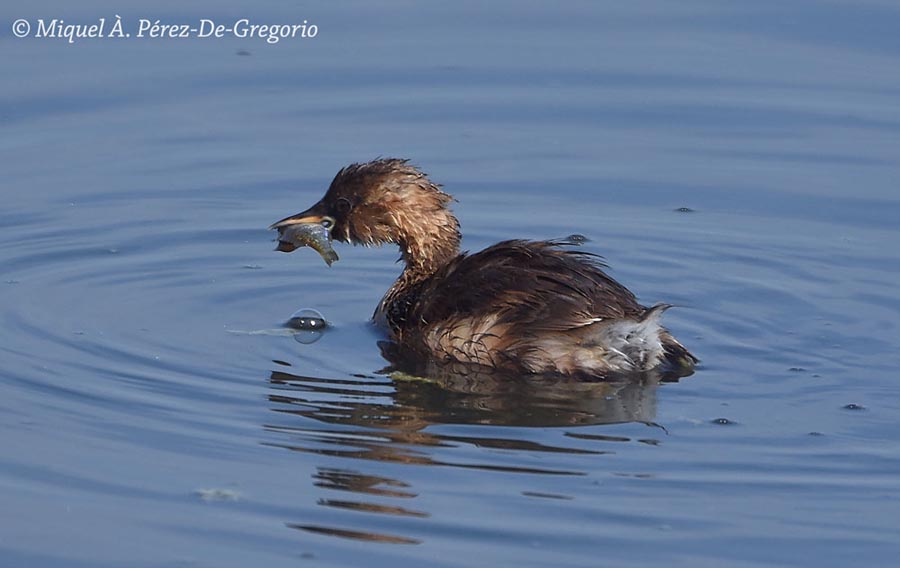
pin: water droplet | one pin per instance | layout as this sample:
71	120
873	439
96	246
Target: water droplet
854	406
576	239
309	325
723	422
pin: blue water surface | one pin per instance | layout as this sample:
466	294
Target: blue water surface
738	160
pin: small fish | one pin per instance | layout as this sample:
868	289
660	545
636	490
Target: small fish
312	235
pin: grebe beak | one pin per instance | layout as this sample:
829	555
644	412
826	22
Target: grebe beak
314	214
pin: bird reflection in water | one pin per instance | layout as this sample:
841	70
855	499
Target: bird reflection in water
387	418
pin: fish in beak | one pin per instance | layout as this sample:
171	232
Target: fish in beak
308	229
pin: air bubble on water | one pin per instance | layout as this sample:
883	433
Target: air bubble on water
576	239
307	319
308	325
724	422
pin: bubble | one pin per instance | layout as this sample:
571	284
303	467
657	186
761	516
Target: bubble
309	325
307	319
854	406
576	239
684	210
723	422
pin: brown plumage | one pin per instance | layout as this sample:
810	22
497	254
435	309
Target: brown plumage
520	306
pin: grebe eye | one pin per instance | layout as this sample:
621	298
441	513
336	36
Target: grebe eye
327	222
344	205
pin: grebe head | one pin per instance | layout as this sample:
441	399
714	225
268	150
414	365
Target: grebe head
383	201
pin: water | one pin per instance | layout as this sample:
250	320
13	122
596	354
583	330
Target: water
739	161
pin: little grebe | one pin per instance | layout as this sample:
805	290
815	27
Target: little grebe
520	306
